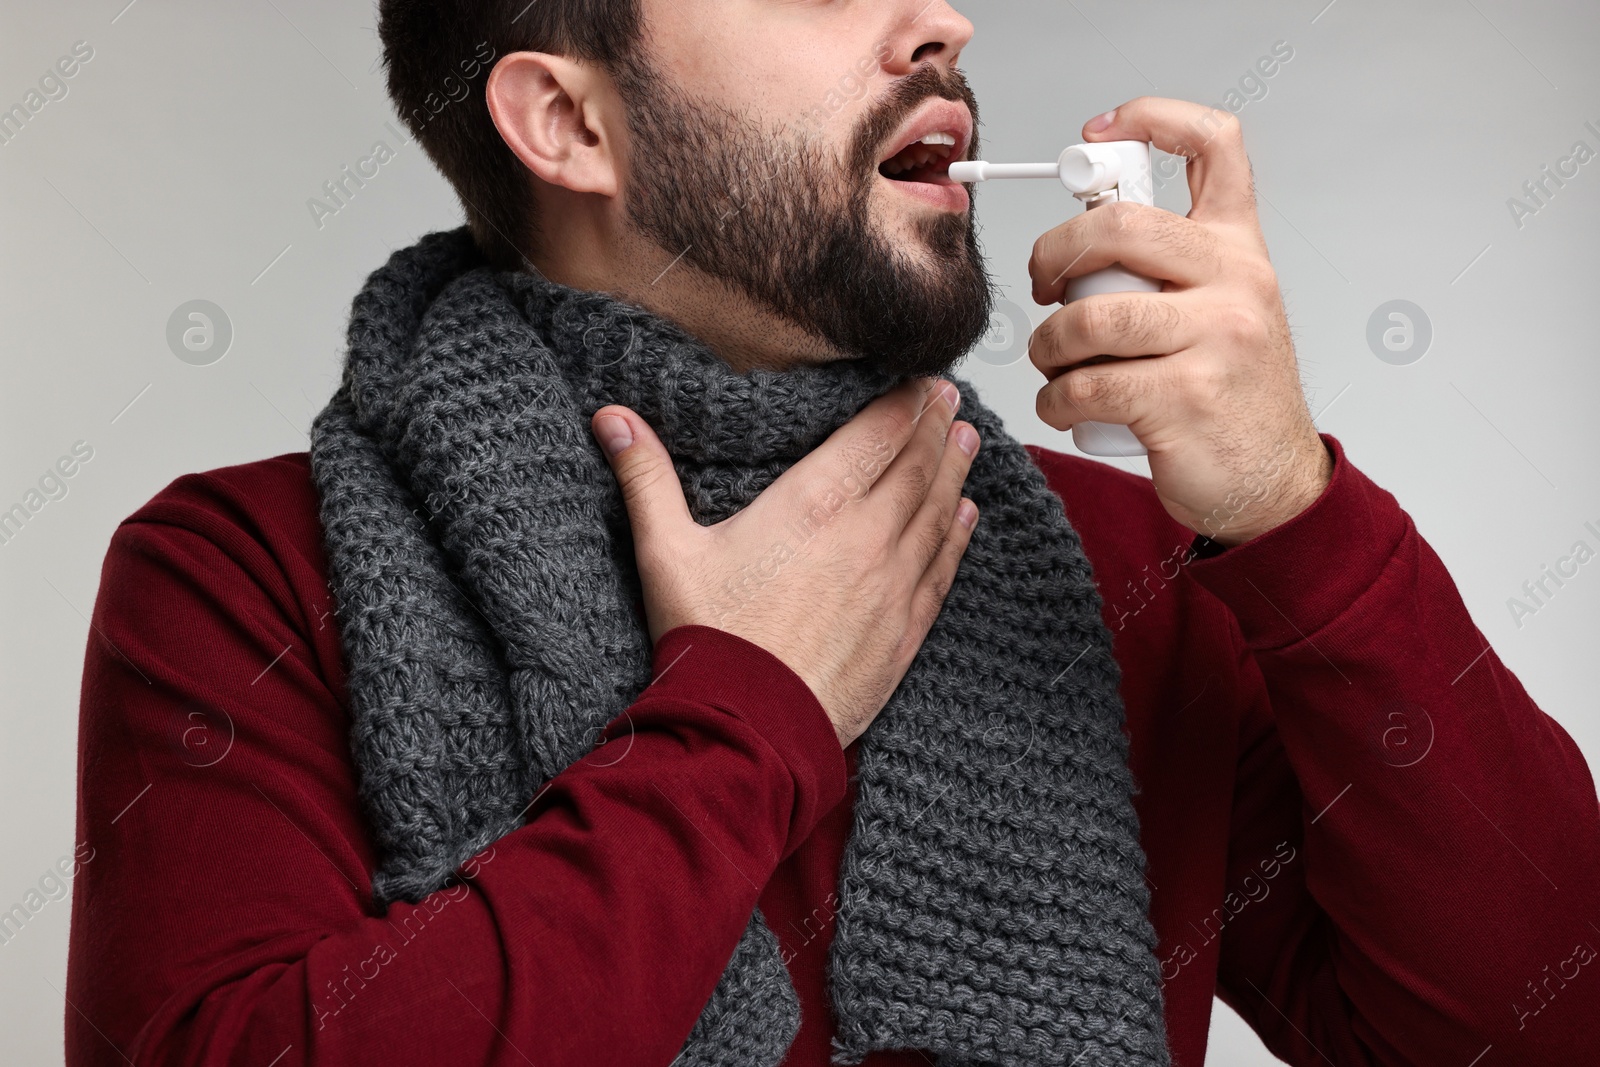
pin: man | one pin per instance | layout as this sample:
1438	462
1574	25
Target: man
871	800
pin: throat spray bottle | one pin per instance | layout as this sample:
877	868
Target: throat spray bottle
1097	174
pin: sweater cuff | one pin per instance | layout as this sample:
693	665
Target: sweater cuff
1288	583
752	684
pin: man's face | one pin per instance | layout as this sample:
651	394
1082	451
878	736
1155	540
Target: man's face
766	142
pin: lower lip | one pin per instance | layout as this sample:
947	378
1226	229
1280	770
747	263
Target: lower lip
951	196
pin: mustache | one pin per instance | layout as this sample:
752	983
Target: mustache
900	102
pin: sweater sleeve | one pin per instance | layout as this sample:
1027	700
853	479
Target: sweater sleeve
223	912
1414	865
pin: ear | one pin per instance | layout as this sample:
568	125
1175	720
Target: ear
557	115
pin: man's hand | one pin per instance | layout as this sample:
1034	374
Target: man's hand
847	600
1233	450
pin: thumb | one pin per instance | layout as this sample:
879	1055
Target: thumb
650	487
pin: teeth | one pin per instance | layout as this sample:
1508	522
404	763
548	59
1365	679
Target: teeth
919	153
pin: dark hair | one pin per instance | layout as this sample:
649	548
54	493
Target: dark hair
438	54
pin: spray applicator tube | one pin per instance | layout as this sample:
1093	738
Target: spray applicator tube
1096	174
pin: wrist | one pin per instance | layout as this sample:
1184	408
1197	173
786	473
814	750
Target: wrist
1301	486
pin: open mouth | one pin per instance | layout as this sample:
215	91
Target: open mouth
927	159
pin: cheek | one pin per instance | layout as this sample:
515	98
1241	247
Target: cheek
822	88
831	68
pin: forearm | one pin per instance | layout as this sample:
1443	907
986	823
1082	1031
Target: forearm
226	915
1450	827
560	946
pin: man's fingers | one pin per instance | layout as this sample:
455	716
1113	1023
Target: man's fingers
650	487
1147	240
910	477
856	456
1120	391
1114	324
1220	185
934	586
928	528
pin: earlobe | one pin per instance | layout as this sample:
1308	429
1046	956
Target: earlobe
548	111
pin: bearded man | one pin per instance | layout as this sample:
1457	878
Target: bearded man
644	665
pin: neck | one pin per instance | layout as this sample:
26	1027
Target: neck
603	254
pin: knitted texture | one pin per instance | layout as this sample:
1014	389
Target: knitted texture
992	905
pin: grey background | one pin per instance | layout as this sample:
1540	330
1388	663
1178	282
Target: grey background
179	165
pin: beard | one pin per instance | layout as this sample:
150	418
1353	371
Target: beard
777	215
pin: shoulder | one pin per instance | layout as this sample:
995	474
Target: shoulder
245	539
264	515
265	499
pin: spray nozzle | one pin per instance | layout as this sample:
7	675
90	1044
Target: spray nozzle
1087	170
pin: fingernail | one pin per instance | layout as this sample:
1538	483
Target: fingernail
1101	122
966	513
952	396
966	439
613	433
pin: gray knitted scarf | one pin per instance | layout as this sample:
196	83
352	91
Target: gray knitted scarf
991	901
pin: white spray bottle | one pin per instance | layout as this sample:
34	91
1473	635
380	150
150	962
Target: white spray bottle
1096	174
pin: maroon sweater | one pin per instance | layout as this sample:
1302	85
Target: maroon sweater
1362	833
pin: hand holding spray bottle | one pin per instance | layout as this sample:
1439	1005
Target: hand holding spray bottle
1096	174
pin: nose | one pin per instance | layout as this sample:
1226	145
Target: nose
927	31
